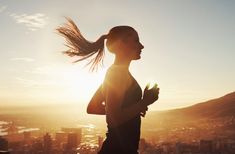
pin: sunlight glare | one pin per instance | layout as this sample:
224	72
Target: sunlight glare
82	84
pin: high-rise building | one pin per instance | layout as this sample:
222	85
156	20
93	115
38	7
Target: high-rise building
61	137
27	137
37	146
206	146
72	141
77	131
47	144
3	144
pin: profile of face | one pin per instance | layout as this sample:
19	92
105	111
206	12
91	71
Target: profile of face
131	47
124	42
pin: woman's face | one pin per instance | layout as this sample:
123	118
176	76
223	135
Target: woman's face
131	46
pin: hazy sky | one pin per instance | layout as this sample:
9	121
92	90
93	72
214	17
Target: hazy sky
189	49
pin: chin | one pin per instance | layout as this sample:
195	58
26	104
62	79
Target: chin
137	58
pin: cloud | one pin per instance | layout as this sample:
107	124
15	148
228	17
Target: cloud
46	70
32	22
23	59
3	8
35	83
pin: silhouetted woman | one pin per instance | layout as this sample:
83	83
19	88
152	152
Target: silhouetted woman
120	96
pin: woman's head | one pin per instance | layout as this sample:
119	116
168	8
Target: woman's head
123	41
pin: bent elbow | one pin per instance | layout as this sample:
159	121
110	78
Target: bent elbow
89	110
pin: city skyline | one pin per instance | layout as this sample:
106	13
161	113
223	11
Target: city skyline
189	50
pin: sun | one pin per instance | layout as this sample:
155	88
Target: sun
81	84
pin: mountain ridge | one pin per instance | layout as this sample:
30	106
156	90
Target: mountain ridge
214	108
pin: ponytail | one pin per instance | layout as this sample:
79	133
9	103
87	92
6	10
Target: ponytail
79	46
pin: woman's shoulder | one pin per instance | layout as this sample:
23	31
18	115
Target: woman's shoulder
117	70
117	79
117	74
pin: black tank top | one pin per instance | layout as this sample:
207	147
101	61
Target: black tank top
125	137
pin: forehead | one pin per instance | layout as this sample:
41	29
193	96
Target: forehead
133	34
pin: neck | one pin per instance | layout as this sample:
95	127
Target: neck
122	61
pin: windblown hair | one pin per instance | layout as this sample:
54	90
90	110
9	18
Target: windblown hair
79	46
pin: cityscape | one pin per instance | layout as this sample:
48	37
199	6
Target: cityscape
85	140
168	134
204	128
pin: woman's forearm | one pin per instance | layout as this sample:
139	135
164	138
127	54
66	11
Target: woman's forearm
96	109
96	105
128	113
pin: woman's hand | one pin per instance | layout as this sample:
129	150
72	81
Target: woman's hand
150	95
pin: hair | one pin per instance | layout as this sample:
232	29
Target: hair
79	46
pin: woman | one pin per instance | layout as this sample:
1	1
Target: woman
120	96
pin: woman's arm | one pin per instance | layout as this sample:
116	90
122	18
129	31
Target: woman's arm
96	104
118	115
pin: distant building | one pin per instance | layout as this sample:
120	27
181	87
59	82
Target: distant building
166	147
37	146
185	148
47	144
3	144
72	141
206	146
77	131
27	137
61	138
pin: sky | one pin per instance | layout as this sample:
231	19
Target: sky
189	49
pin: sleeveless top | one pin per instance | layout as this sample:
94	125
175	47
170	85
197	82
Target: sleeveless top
125	137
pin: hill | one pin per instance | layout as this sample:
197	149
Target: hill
215	108
207	120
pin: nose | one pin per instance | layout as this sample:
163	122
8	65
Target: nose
141	46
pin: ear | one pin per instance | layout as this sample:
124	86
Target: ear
119	43
115	46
